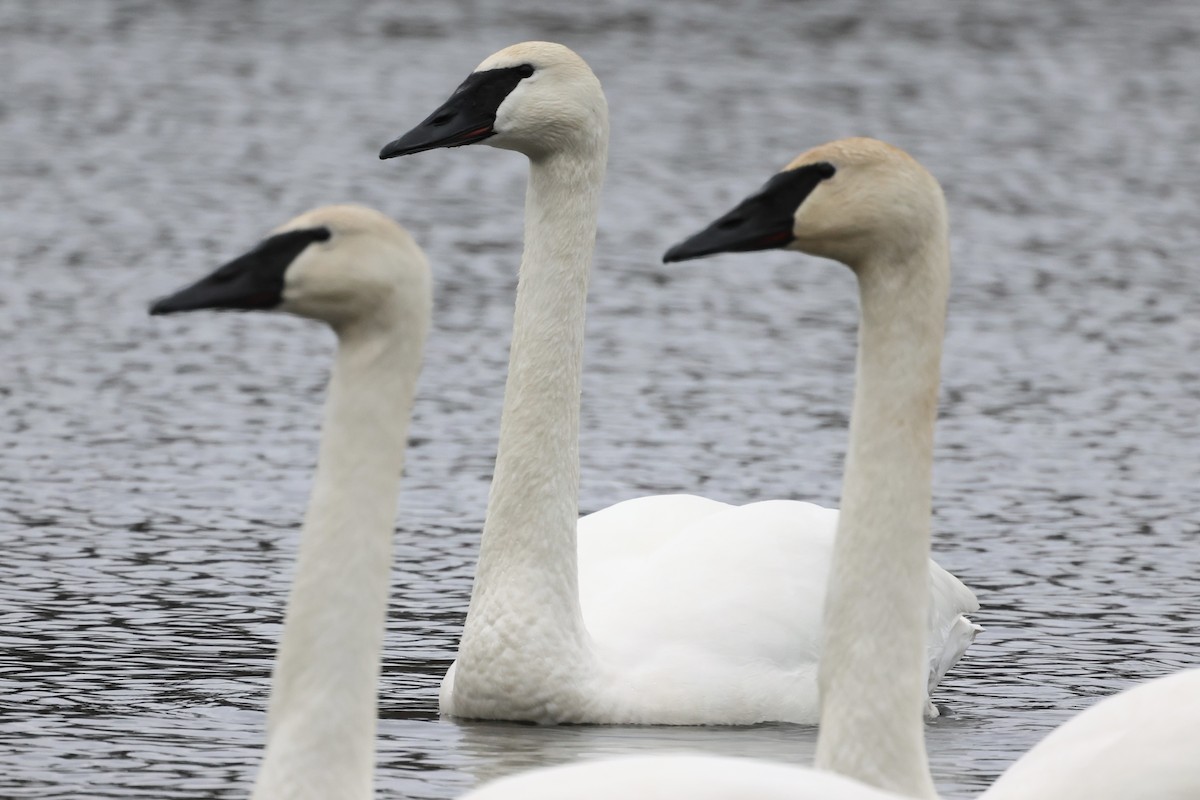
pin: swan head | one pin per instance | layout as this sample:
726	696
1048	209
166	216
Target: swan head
537	98
338	264
852	200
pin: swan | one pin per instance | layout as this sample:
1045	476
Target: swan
671	609
874	208
361	273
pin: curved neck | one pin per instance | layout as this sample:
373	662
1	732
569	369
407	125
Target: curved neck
321	721
873	663
527	578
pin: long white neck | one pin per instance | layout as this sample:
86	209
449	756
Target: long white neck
321	721
526	584
873	665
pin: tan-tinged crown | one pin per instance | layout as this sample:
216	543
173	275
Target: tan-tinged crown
880	205
369	264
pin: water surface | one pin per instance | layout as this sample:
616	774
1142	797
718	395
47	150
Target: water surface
154	471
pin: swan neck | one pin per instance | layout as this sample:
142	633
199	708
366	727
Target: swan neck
526	583
873	668
322	715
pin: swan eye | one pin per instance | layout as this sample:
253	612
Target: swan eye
525	70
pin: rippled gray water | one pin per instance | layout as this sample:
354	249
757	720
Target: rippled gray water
153	472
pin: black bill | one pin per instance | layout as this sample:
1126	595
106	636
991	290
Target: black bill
251	281
762	221
469	115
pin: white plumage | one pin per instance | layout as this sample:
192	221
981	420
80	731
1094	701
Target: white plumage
676	777
741	589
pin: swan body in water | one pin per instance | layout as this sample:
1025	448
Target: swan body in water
874	208
362	274
662	610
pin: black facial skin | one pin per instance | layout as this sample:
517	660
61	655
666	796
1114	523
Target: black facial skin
252	281
467	117
763	221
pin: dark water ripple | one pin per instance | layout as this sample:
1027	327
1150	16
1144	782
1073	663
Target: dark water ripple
153	472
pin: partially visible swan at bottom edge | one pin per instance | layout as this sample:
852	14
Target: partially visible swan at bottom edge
361	273
1139	743
661	610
